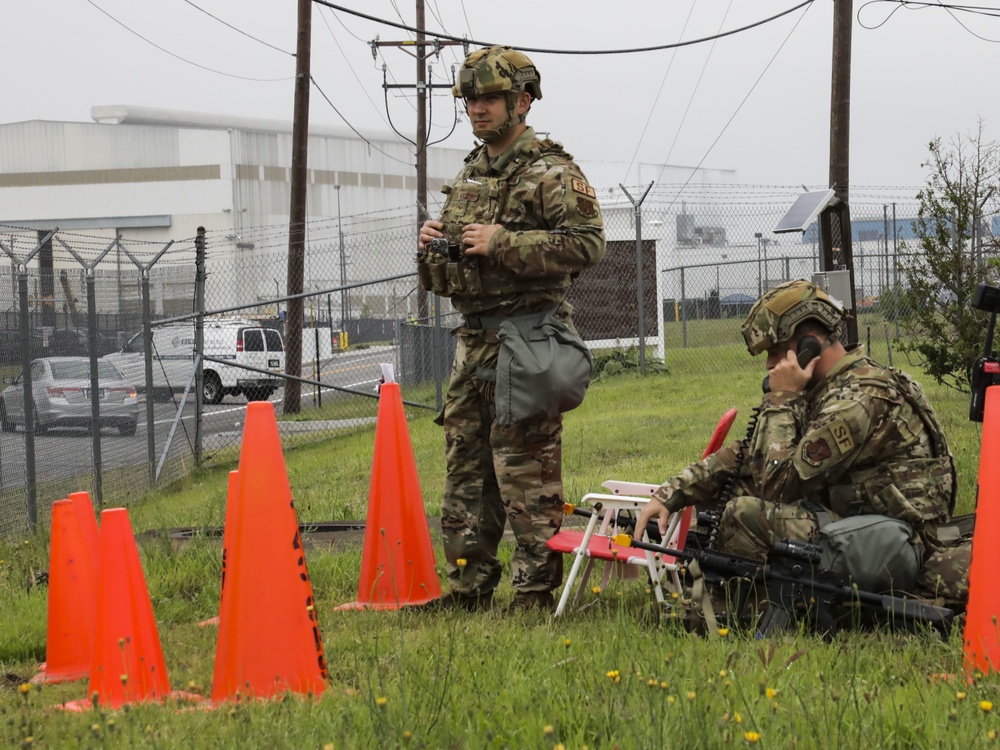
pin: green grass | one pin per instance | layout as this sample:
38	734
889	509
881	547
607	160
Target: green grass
480	681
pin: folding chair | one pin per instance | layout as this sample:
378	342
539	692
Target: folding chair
595	543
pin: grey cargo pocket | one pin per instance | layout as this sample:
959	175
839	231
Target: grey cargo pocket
873	551
543	369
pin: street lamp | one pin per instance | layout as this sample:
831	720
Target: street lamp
760	290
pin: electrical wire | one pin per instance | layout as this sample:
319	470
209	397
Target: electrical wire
355	130
694	93
544	50
184	59
364	89
981	10
239	31
743	101
659	91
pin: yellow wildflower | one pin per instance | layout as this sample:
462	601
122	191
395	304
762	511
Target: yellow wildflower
691	695
960	696
723	632
567	642
548	729
25	688
752	737
986	706
596	589
381	702
770	693
461	562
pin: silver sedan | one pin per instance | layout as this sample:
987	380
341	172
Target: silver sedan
62	396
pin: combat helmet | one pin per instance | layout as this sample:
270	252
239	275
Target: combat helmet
498	70
774	317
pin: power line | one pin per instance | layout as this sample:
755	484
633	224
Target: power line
659	91
240	31
740	106
184	59
346	60
449	37
355	130
694	93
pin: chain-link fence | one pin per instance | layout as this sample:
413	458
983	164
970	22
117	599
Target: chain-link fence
75	302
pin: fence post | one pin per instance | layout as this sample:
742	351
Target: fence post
684	317
147	352
28	398
199	339
436	354
637	206
92	347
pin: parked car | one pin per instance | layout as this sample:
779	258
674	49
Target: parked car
239	341
62	396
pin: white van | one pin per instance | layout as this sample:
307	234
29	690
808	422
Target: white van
241	341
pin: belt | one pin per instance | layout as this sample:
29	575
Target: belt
483	322
493	322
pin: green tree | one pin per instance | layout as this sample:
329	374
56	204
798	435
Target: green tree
955	253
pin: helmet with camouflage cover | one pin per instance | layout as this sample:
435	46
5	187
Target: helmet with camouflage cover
775	316
498	70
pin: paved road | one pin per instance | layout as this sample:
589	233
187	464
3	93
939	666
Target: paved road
63	453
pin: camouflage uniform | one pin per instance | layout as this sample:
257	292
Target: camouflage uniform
863	440
551	231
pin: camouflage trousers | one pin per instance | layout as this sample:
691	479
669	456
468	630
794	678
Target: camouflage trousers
749	526
495	474
945	574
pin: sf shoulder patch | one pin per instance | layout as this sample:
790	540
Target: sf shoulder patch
583	188
842	435
815	452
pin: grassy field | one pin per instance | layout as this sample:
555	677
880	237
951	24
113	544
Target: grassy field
613	675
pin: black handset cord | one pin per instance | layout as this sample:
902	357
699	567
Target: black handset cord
727	490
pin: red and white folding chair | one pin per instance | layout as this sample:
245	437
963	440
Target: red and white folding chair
595	541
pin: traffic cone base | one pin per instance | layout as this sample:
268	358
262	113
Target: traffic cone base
397	564
269	641
176	696
72	605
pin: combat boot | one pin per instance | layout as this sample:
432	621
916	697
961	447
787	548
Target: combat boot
542	601
455	601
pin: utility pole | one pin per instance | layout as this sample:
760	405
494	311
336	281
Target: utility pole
420	143
835	222
297	211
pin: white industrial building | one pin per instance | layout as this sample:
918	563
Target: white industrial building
155	175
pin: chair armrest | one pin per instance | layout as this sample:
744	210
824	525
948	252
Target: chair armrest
639	489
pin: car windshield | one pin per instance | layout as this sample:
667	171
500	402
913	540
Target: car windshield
80	370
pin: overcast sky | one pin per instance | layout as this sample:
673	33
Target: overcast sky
757	102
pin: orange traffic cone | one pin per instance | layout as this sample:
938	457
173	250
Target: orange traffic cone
127	665
69	637
230	513
88	524
397	564
269	641
982	637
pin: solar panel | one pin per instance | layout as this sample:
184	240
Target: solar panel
805	210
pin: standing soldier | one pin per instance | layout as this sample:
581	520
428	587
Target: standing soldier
519	223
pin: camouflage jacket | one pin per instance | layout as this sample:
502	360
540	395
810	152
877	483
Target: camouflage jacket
864	440
552	230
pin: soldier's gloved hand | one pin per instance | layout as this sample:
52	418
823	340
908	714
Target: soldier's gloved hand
653	509
786	375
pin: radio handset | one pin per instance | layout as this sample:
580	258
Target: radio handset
807	350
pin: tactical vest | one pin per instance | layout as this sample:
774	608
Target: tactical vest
915	490
477	199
